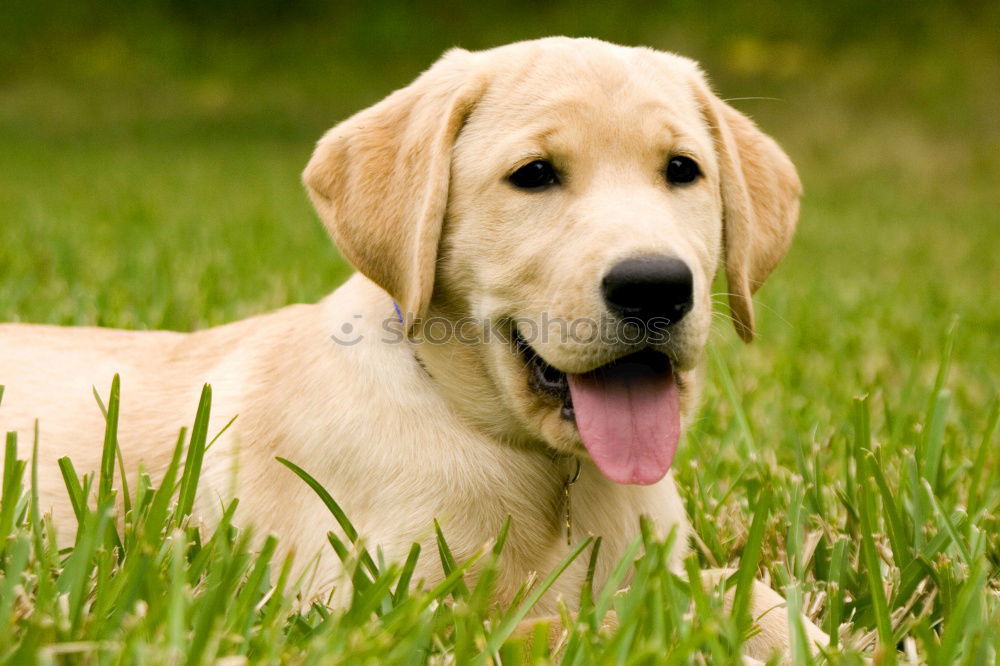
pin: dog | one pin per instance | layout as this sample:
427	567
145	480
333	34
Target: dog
535	229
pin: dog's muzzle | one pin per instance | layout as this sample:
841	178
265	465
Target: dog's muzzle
627	412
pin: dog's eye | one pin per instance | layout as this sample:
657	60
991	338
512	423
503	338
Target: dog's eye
534	175
682	170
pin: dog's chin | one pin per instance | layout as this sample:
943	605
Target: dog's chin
547	397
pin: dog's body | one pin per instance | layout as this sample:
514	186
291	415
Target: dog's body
301	396
427	195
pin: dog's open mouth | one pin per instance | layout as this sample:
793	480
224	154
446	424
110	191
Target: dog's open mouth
543	378
627	412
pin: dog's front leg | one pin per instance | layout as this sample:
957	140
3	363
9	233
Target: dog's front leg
768	609
556	633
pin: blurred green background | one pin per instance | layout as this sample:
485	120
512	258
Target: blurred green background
150	156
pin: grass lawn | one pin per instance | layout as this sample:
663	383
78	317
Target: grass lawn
149	179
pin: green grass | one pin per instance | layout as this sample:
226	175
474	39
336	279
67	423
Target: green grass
149	179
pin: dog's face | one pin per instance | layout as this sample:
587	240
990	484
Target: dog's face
570	201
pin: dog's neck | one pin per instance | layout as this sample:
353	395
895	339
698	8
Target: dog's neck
457	368
465	381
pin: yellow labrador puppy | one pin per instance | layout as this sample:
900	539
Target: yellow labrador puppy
536	229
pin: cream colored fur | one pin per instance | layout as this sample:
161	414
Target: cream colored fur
414	192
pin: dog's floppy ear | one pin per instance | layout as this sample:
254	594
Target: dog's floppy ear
760	200
379	180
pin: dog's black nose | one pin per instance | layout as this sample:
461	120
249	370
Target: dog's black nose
649	287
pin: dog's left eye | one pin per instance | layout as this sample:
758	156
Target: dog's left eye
534	175
682	170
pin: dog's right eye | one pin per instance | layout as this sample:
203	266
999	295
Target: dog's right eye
534	175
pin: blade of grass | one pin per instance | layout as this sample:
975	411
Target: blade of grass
918	508
835	591
483	592
729	387
513	618
794	540
276	605
100	403
800	648
15	565
359	577
747	572
967	606
73	579
979	467
176	596
873	570
920	567
106	476
898	534
221	432
107	471
77	499
933	447
941	376
241	615
335	510
614	581
123	595
156	519
406	574
13	473
195	454
439	591
218	541
949	526
35	517
126	495
370	600
448	563
210	612
587	593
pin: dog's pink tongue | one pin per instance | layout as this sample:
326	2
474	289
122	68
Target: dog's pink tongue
628	415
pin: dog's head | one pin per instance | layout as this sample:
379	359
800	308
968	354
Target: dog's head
568	202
